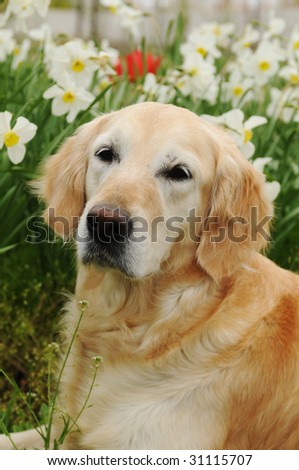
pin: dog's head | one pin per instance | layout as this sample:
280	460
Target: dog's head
142	184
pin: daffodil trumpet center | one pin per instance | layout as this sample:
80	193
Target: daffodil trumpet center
202	51
294	79
78	66
11	139
237	90
264	65
68	97
247	135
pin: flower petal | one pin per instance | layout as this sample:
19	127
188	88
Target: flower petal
52	92
5	119
260	163
59	107
16	153
247	149
234	119
272	189
255	121
25	129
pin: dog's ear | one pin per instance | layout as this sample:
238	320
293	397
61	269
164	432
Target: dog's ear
237	219
62	185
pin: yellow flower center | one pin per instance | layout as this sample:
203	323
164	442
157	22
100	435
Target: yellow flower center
11	139
202	51
68	97
78	66
237	91
16	51
247	135
103	85
296	44
193	72
217	30
294	79
113	9
264	65
247	44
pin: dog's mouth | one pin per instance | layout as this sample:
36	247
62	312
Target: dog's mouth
109	229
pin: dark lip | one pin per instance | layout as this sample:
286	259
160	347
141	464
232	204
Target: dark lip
106	256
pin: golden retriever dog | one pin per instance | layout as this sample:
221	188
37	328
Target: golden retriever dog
197	331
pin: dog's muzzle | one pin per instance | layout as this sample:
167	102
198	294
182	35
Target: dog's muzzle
108	228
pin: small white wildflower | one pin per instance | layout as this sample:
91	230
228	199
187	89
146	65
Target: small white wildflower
14	139
97	361
54	348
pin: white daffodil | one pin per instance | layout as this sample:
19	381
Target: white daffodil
20	53
21	10
14	139
198	79
221	31
272	187
113	53
7	43
68	98
263	64
275	27
42	34
242	46
129	17
237	89
200	44
151	90
76	57
239	130
290	73
284	104
27	8
293	44
113	5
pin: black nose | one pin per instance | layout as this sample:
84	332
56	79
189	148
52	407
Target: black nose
108	224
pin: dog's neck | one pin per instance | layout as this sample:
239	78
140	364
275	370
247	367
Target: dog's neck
151	315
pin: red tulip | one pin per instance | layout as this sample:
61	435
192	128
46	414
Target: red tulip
134	65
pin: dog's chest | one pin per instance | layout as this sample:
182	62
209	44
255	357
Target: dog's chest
148	407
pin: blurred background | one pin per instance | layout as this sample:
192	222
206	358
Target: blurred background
87	18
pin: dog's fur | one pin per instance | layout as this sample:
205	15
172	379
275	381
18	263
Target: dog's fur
199	339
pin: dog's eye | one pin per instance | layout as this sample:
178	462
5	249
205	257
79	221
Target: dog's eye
178	173
105	154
